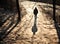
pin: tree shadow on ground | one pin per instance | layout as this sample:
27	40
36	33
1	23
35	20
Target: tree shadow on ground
50	13
58	30
11	22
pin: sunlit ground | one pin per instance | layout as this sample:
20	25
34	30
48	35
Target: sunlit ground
22	33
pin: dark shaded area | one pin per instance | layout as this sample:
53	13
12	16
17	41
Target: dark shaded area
47	1
5	30
54	6
6	4
3	4
34	28
17	5
5	16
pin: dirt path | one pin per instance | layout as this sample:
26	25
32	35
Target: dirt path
22	33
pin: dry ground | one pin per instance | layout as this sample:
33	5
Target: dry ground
22	33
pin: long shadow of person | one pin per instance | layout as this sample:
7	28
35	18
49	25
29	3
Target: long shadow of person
34	28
